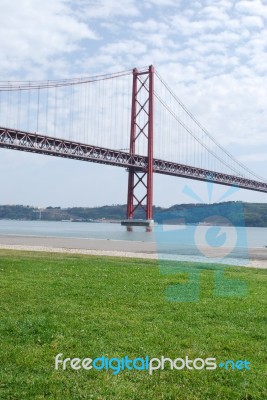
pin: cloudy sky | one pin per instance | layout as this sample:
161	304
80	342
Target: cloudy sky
213	53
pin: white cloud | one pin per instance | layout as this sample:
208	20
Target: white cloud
35	31
127	46
252	7
252	22
189	27
215	12
164	3
151	25
106	9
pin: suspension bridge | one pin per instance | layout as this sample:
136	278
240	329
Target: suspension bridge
130	119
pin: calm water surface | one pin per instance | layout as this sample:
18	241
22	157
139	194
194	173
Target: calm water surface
255	237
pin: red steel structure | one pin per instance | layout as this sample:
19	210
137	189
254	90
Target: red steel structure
42	144
141	127
140	164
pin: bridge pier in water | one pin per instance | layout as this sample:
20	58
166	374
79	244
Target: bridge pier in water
131	223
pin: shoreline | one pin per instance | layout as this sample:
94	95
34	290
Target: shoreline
256	257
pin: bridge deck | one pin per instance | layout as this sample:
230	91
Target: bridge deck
37	143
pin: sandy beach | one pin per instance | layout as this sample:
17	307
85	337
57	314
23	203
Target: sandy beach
115	248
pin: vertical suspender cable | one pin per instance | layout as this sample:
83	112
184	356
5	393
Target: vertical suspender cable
38	102
28	108
55	112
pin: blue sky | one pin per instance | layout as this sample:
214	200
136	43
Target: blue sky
212	53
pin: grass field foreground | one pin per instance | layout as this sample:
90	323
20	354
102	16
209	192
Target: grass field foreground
85	306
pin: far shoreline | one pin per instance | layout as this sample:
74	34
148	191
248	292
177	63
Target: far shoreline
111	221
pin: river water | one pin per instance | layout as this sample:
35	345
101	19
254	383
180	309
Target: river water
186	235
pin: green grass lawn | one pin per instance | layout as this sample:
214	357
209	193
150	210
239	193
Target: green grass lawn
85	306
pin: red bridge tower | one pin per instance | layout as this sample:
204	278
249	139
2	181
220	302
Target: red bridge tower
140	181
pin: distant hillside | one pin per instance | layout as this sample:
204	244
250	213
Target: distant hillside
239	213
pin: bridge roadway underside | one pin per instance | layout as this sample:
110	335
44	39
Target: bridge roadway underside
37	143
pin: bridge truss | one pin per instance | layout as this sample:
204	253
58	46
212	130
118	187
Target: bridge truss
36	143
